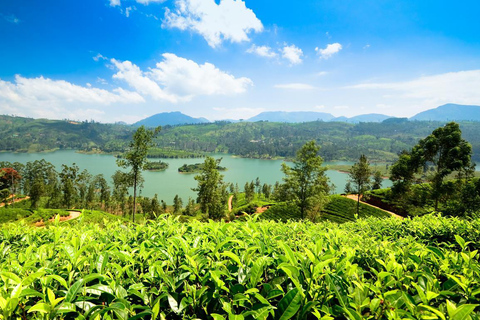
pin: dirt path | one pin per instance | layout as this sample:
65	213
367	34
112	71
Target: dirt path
230	204
354	197
16	200
73	215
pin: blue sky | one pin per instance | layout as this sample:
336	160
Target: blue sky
123	60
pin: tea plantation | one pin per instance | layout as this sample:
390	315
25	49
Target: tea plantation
422	268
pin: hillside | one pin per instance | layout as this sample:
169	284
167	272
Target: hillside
169	118
450	112
339	141
291	117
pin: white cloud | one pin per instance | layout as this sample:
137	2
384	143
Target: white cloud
292	53
43	97
147	2
99	57
320	107
329	51
128	10
263	51
295	86
10	18
341	107
114	3
228	20
430	91
177	79
321	73
366	46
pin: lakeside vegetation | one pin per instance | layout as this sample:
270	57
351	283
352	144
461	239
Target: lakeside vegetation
196	168
156	166
381	142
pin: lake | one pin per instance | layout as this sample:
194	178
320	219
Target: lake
170	182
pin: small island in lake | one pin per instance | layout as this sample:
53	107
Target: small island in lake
195	168
156	166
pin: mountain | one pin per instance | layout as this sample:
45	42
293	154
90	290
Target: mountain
297	116
169	118
450	112
371	117
305	116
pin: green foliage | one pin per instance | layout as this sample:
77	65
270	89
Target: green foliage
212	191
13	214
305	183
156	166
371	269
339	141
446	150
338	209
196	168
359	176
136	158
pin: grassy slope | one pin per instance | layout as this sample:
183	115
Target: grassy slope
339	209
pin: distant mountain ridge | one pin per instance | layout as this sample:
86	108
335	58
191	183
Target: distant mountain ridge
450	112
447	112
169	118
306	116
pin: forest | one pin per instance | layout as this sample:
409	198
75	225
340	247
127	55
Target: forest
267	140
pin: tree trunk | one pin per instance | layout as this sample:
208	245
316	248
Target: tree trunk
134	197
358	203
13	191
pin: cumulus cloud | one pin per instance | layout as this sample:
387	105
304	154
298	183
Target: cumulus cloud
329	51
114	3
228	20
292	53
295	86
429	91
263	51
177	79
45	97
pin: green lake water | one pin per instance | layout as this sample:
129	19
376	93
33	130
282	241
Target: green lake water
170	182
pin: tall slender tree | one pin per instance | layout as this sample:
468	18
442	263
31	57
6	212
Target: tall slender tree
360	178
136	158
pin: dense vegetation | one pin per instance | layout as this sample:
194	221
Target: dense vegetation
380	141
371	269
195	168
156	166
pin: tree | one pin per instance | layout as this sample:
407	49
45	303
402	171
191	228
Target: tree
444	149
68	177
249	191
121	182
360	178
377	180
190	207
8	179
306	184
211	190
267	190
177	204
258	185
136	157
